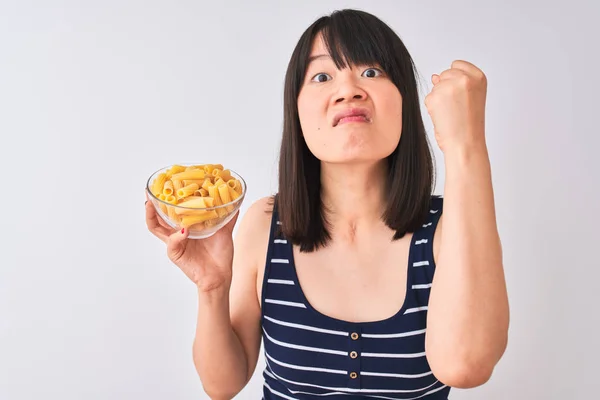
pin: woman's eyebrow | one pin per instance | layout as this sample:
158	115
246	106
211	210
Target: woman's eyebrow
316	57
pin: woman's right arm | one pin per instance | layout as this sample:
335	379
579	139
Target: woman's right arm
228	333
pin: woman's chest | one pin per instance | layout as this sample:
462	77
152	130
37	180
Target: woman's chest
355	285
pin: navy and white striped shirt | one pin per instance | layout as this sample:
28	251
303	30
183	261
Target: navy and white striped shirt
310	355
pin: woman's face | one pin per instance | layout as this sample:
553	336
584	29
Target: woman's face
370	100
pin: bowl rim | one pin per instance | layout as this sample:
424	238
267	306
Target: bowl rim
238	200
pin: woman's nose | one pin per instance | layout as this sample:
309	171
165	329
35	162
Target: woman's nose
357	96
348	90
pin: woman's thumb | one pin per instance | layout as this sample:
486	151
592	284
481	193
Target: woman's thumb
177	243
231	224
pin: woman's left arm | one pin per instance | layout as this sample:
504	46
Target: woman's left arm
468	316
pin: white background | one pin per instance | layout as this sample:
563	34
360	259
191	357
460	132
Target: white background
95	96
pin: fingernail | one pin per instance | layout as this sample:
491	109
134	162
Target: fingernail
145	202
183	230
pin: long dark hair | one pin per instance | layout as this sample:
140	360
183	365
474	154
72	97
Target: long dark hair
356	38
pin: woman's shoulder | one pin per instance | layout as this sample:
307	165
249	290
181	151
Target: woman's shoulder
255	226
261	210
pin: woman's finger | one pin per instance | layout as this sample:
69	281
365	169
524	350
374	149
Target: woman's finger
176	244
164	223
228	228
153	224
160	220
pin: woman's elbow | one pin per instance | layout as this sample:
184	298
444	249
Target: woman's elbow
465	370
463	376
219	394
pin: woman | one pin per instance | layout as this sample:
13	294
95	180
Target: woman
336	272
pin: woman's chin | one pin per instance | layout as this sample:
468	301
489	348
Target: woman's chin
354	149
356	157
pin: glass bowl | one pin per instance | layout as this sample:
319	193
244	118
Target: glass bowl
199	197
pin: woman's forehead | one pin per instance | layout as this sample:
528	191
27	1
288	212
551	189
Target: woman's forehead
345	51
318	46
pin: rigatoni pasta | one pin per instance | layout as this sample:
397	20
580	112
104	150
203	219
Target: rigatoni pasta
168	188
196	193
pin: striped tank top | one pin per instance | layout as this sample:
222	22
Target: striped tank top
310	355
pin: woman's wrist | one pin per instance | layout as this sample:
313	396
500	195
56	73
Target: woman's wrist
213	292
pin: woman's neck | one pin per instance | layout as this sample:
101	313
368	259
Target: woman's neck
354	198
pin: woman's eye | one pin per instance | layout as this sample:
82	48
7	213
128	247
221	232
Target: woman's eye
321	78
372	73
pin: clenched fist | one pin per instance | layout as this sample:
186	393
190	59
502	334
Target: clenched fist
456	106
